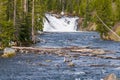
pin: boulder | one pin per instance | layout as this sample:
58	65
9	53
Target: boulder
8	52
111	76
71	64
40	32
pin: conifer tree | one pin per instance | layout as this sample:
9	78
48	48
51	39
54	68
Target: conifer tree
104	11
117	3
6	28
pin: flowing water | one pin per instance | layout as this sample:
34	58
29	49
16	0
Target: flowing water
64	39
70	37
82	70
62	24
45	66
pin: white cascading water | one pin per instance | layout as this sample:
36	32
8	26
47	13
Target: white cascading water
62	24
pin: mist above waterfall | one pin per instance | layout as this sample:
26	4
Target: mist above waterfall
60	24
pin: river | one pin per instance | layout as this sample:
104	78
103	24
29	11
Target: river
63	33
82	71
32	66
64	39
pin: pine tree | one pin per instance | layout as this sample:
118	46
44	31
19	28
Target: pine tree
117	3
6	26
104	11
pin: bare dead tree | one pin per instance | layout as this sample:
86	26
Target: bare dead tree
33	35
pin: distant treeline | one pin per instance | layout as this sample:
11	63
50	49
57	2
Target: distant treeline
19	19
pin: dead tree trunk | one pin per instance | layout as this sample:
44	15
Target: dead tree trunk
14	22
33	35
25	6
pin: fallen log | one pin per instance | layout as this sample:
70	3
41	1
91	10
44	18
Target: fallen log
47	49
36	49
71	51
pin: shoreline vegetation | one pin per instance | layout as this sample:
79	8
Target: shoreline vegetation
20	23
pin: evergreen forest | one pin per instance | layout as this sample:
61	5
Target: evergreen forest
20	19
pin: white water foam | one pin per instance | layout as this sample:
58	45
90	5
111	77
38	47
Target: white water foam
62	24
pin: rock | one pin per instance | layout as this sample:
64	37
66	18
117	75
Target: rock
41	64
57	65
62	13
71	64
12	43
37	39
111	76
40	32
98	52
48	60
67	59
21	51
8	52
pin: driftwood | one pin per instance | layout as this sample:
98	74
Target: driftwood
70	51
33	48
77	50
48	49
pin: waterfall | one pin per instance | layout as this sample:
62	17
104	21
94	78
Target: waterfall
60	24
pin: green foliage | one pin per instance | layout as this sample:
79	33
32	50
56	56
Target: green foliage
6	32
3	9
104	11
117	8
9	10
40	9
107	10
6	27
24	32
